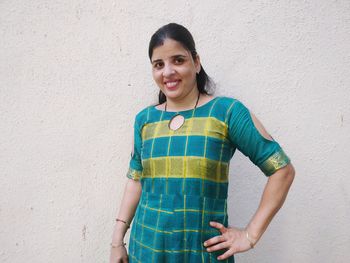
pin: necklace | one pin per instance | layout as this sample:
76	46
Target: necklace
178	120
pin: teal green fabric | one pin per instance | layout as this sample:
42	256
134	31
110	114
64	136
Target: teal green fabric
185	174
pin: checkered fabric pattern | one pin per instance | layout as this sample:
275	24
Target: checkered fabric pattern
184	177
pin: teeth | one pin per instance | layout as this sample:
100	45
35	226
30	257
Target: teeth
171	84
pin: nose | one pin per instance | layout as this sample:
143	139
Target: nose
168	70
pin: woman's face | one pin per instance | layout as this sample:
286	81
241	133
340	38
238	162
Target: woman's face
174	69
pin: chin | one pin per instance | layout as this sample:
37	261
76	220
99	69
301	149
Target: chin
172	94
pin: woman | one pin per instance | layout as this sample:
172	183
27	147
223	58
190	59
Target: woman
179	167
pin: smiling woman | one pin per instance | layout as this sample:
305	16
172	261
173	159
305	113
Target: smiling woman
174	71
179	169
174	59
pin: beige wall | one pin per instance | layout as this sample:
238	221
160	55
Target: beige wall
73	74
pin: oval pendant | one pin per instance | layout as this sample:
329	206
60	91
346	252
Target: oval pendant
176	122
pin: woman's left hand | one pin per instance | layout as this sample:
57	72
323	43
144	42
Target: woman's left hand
231	238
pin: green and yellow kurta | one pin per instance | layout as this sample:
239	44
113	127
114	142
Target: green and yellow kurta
184	176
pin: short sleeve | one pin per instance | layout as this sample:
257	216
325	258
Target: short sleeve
135	166
264	153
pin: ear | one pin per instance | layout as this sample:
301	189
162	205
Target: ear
197	63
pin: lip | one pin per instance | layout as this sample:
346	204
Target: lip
173	86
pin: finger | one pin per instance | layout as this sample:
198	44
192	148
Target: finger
219	246
226	255
214	240
218	225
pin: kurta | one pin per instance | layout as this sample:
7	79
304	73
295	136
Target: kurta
184	176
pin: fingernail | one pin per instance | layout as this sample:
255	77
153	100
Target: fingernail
205	243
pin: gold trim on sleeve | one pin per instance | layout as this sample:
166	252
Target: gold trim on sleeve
134	174
274	162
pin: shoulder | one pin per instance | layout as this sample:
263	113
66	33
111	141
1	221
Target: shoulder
230	102
142	115
229	105
226	101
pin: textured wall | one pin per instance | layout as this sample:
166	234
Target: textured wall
73	74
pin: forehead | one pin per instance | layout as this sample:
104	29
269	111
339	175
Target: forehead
169	48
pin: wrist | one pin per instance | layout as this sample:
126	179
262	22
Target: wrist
252	241
119	233
123	222
117	244
121	226
252	233
118	239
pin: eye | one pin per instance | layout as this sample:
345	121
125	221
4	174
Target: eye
179	60
158	65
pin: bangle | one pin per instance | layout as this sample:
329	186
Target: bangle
128	225
116	245
251	243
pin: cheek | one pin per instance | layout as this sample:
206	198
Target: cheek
157	77
189	74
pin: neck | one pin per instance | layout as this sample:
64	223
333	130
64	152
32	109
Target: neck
185	103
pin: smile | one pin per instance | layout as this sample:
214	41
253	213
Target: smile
172	84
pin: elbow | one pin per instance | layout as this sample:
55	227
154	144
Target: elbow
134	186
289	174
284	175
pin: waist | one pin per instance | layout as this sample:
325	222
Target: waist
173	203
185	187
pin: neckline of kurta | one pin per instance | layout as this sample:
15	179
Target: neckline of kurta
186	111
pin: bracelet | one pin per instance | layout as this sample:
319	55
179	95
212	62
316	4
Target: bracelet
116	245
128	225
251	243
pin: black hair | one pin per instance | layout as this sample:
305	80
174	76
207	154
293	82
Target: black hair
180	34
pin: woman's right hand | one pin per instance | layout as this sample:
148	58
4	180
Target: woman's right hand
118	255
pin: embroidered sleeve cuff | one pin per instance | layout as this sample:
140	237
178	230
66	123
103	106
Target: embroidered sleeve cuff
276	161
133	174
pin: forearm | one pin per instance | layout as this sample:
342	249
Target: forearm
273	197
128	205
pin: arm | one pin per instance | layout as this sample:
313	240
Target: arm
130	200
235	239
251	138
273	197
132	191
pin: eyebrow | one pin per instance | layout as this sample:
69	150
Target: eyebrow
175	56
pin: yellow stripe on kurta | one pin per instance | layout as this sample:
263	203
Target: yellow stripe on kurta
166	250
143	222
156	129
188	128
158	217
168	163
214	127
199	211
193	163
207	122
